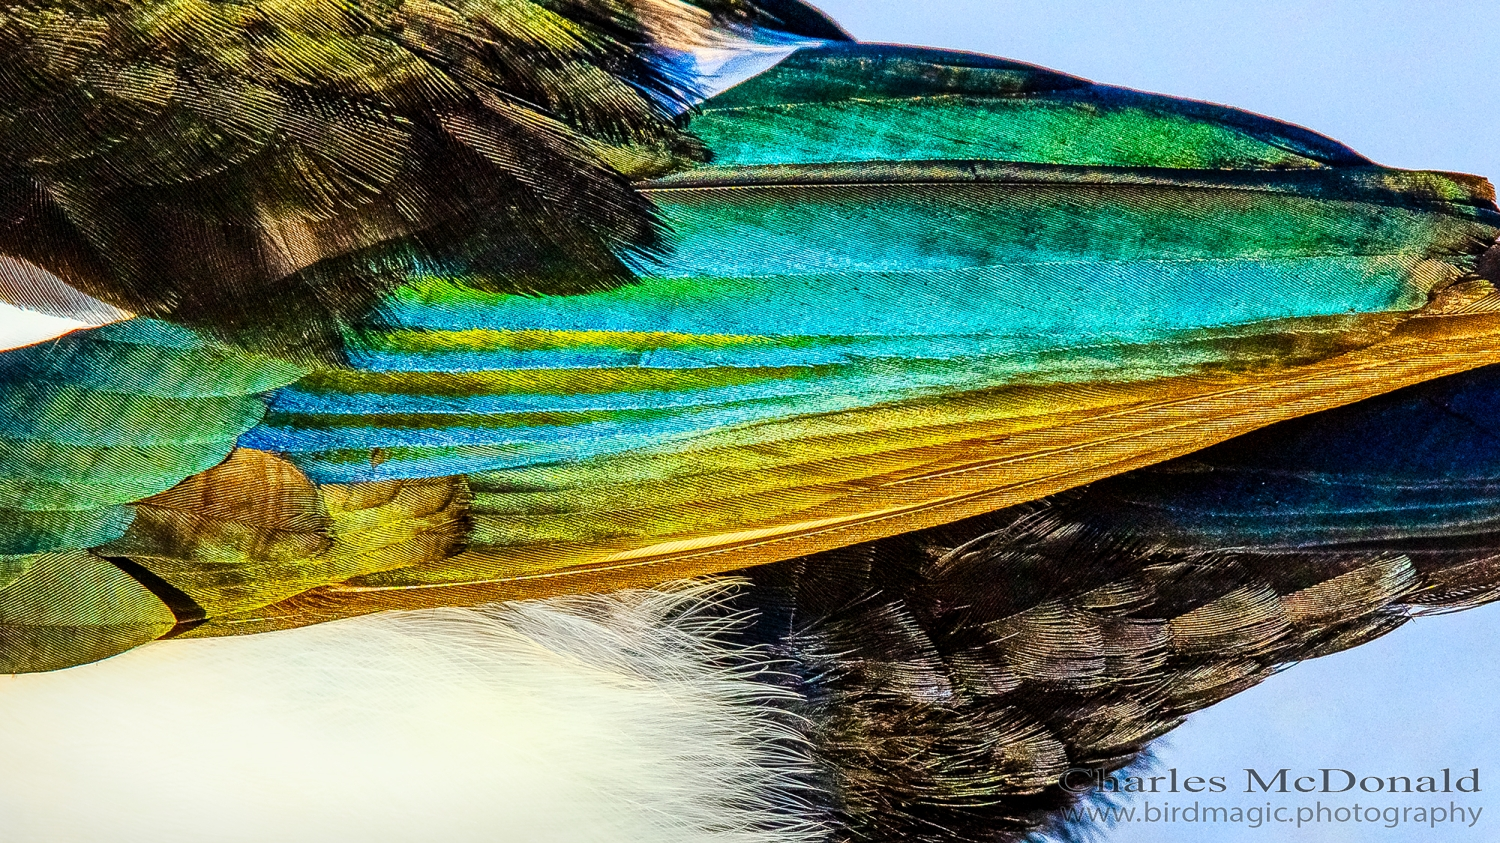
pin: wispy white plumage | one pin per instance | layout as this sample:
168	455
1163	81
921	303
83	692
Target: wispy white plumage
621	717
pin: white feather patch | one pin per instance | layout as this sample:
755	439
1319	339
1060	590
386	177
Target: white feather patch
621	717
36	305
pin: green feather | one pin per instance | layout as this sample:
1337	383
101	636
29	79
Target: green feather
97	419
864	102
69	608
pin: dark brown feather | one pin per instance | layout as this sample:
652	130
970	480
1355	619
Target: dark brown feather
953	675
266	170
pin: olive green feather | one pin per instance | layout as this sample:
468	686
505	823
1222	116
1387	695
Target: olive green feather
253	530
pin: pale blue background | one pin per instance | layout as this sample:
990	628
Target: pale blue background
1410	83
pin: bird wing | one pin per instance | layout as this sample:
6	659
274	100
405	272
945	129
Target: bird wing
862	332
852	335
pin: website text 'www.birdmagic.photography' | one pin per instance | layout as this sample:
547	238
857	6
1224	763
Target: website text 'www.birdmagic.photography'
1430	808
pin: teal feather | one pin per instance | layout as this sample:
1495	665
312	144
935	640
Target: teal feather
812	292
29	531
871	102
101	418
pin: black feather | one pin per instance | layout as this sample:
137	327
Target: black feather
952	675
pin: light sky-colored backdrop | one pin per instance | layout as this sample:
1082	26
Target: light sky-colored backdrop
1410	84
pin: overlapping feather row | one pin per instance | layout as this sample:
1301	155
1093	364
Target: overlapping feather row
445	303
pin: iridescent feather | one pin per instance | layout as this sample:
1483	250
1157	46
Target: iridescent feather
434	305
851	330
